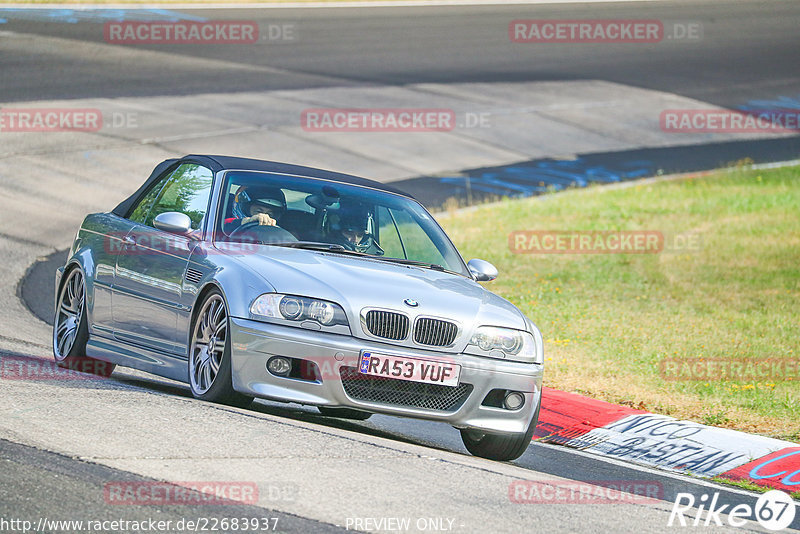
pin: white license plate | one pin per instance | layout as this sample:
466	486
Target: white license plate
412	369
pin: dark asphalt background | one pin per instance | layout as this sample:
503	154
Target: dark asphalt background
75	491
748	50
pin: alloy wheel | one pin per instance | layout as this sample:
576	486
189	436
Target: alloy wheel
208	344
69	314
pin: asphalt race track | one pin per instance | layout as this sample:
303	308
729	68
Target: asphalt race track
749	51
63	441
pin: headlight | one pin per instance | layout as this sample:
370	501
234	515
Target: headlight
496	342
294	308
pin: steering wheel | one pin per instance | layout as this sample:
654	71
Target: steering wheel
263	233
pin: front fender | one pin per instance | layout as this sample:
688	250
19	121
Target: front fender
83	259
57	287
239	284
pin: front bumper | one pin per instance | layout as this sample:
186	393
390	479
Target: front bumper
253	343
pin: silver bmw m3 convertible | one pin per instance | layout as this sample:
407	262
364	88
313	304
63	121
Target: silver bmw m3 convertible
247	278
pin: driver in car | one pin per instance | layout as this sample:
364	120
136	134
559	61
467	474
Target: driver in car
262	205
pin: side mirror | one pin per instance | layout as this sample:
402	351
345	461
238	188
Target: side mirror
481	270
173	222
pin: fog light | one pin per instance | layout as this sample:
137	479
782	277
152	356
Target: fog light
514	400
279	365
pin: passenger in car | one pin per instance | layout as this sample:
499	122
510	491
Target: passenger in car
354	231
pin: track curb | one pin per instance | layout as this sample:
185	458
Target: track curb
660	441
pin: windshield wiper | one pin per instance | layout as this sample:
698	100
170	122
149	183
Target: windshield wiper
434	266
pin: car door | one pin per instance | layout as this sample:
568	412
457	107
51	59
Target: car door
103	233
150	267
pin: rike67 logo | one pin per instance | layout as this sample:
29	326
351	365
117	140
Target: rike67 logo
775	510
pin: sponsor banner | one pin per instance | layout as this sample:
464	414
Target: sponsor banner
565	416
780	469
585	492
669	443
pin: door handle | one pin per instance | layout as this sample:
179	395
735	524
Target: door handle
128	240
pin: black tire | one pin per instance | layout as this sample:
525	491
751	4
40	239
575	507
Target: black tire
71	328
502	448
344	413
219	387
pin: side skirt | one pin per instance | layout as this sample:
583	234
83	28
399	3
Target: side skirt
129	355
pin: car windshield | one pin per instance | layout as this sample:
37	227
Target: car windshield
300	212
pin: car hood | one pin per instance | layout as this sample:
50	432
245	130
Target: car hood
357	283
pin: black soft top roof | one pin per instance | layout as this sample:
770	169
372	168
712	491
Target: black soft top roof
219	163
